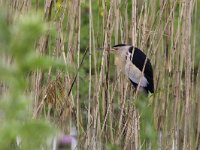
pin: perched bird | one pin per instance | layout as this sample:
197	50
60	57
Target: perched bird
131	61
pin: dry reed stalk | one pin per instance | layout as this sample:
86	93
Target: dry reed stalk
187	49
41	48
103	60
142	23
133	126
126	30
96	120
198	108
134	22
72	5
116	12
177	79
78	111
122	115
89	122
106	84
37	75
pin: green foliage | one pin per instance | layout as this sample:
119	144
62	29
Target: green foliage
112	147
4	32
34	129
196	29
147	129
18	43
24	34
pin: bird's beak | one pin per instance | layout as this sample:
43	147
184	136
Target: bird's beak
114	48
101	49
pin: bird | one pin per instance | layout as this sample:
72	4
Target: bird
131	61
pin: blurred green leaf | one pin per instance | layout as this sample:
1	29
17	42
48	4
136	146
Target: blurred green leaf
34	61
4	31
147	129
15	107
15	104
34	130
25	32
9	132
112	147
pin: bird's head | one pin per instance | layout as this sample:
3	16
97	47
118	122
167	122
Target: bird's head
121	47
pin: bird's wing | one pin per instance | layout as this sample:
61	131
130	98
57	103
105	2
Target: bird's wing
134	74
139	60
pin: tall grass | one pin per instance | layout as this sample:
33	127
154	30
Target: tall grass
96	98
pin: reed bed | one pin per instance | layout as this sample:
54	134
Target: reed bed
93	96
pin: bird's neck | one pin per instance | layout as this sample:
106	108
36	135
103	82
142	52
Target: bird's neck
120	61
122	55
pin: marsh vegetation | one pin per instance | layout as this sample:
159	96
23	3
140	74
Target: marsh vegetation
53	80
